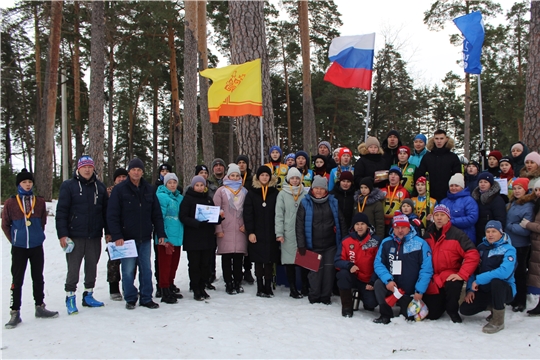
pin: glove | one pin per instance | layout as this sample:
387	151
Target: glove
524	223
302	251
169	248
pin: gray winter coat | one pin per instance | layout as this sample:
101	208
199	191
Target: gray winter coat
286	222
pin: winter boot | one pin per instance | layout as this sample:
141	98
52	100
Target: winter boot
197	295
535	311
382	320
291	278
305	289
158	293
89	301
268	287
205	294
42	312
114	291
496	324
248	277
260	287
167	296
346	302
209	286
14	320
71	305
174	289
238	287
175	292
116	297
229	289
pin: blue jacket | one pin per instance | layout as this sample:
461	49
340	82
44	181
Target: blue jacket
81	211
415	158
14	222
497	261
463	211
416	266
307	223
134	212
333	175
519	209
170	209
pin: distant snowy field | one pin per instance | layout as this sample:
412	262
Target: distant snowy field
239	326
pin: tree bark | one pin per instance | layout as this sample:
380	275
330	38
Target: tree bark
190	91
206	126
96	127
155	131
38	124
175	102
287	95
531	121
110	151
248	42
44	155
309	131
79	148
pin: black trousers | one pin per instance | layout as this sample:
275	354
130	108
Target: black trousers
198	267
322	281
497	293
19	261
381	292
522	255
348	281
446	300
231	265
264	270
247	263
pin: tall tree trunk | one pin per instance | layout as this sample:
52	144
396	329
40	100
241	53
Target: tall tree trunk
155	137
248	42
110	151
79	148
467	125
287	96
206	126
96	128
531	121
38	124
176	120
44	153
309	132
190	90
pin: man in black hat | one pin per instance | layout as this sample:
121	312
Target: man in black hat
218	171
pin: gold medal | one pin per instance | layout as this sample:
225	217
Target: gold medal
28	223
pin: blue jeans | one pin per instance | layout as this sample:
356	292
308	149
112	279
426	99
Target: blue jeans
145	274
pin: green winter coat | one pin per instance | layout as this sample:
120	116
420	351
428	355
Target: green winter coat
285	222
170	208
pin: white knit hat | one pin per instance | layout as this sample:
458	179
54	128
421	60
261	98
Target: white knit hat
233	168
457	179
293	172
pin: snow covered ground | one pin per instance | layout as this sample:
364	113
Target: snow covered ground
239	326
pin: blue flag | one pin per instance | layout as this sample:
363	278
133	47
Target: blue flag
472	28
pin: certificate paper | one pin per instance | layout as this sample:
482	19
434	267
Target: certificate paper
128	250
206	212
504	185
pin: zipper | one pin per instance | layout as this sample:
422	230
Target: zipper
14	240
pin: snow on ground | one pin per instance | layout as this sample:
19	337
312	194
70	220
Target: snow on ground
239	326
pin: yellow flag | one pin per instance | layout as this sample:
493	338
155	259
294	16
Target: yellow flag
236	90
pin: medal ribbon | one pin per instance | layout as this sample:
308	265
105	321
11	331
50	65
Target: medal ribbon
234	192
22	208
264	191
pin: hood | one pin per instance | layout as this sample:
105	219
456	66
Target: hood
449	144
462	193
524	199
162	189
407	237
375	195
257	184
362	149
521	158
82	180
530	175
484	198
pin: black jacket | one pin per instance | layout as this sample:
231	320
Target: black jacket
81	211
330	163
491	206
197	235
346	204
134	212
367	164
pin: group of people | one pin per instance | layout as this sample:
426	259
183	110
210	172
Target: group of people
412	227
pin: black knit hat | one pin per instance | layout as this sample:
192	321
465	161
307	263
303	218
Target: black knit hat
164	166
360	217
137	163
368	182
23	175
119	172
242	157
199	168
264	169
393	132
322	157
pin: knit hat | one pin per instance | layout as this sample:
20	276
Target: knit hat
169	176
360	217
404	149
165	166
494	224
400	220
197	179
320	182
263	169
457	179
242	157
367	181
534	156
85	160
486	175
275	147
346	175
304	154
506	159
475	163
523	182
372	140
421	137
496	154
327	144
200	168
537	184
408	202
293	172
395	169
233	168
443	209
517	145
217	161
343	151
136	163
421	179
290	156
119	172
23	175
393	132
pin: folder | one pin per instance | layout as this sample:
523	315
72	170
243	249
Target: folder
311	260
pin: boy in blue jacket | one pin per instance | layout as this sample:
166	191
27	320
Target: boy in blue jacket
494	285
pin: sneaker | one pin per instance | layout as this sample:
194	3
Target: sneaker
518	308
42	312
71	306
116	297
130	305
150	305
239	289
14	320
382	320
89	301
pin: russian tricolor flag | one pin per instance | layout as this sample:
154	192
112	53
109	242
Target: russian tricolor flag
352	61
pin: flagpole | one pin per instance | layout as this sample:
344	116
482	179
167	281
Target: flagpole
262	139
481	120
367	115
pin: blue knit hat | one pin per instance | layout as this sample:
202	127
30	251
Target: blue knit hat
486	176
275	147
494	224
304	154
290	156
421	137
397	170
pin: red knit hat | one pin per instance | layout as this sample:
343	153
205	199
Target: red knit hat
421	179
344	150
401	220
404	148
523	182
496	154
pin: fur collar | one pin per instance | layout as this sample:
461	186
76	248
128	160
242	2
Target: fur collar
362	149
530	175
489	195
431	144
375	195
523	200
257	184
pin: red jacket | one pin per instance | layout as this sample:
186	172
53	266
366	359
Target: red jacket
452	253
353	251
